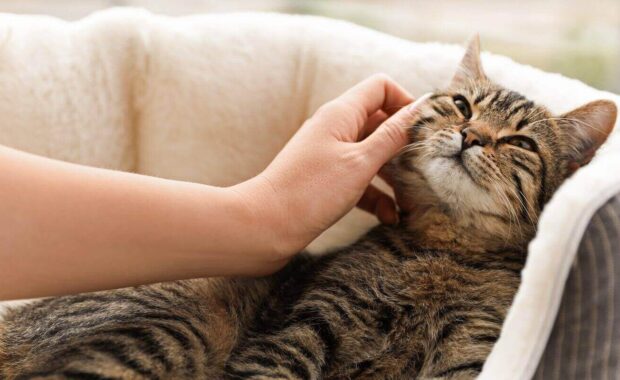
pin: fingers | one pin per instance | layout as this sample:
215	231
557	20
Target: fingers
391	136
379	92
379	204
373	122
361	104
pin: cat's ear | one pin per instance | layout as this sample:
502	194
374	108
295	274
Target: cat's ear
470	67
584	130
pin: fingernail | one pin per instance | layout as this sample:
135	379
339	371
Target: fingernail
419	101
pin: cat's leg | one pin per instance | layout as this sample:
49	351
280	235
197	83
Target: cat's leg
336	330
167	330
300	350
331	324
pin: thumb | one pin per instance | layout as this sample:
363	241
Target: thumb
391	136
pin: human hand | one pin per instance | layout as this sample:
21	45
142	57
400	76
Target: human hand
326	168
188	230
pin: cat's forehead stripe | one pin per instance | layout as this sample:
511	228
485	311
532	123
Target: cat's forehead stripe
522	105
506	99
480	97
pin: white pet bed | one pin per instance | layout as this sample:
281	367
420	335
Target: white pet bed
212	98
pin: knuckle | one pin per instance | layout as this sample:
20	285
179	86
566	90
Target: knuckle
324	112
341	111
381	77
328	109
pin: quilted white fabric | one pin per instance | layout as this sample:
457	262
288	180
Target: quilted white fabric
212	98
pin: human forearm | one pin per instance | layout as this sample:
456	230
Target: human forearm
67	228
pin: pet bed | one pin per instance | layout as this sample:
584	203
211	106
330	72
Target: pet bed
212	98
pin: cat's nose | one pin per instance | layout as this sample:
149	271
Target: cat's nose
471	138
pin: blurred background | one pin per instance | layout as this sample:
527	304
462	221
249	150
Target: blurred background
578	38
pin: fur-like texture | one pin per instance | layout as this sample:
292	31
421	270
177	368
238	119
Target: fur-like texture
376	310
128	90
426	299
184	98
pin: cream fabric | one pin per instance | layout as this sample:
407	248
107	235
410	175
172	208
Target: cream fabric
212	98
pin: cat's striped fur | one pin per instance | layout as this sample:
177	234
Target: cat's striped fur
425	299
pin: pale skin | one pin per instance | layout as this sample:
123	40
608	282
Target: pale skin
66	228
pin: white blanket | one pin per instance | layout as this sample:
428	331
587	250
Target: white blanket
212	98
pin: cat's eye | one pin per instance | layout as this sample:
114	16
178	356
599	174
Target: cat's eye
523	143
463	106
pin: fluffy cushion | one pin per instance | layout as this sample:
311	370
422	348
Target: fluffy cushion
212	98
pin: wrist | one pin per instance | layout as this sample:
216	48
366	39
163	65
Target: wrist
266	215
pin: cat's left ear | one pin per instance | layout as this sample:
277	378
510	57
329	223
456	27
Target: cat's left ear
470	68
585	129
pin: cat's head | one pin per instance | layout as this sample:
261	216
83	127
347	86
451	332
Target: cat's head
488	156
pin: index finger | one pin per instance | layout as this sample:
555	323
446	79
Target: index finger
379	92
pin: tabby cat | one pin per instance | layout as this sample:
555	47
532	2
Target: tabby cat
424	299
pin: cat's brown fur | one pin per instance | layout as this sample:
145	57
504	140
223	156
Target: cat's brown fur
425	299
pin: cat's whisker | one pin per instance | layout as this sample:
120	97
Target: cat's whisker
509	205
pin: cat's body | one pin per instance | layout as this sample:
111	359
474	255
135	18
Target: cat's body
424	299
382	308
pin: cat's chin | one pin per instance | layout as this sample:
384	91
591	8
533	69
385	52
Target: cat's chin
452	182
